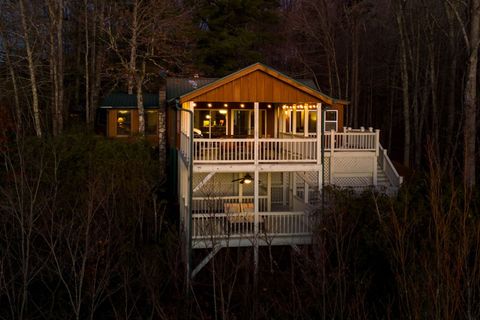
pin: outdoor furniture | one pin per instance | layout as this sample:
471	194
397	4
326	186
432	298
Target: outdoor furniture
241	218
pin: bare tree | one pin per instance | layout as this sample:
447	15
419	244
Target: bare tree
470	95
31	67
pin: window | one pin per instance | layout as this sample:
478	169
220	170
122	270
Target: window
124	122
312	121
212	123
151	120
331	120
243	123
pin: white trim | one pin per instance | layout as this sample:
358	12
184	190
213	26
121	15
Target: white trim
330	121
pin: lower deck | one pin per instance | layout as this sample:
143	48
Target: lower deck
239	229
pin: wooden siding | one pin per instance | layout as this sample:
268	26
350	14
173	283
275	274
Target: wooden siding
257	86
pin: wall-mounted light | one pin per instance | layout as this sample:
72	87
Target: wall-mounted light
223	111
207	116
269	106
225	105
242	105
209	105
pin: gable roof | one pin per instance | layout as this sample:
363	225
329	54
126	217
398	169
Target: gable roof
304	88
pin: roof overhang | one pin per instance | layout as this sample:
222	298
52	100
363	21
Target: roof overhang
321	97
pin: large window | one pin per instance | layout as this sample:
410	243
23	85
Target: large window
243	123
212	123
151	121
331	120
124	122
312	121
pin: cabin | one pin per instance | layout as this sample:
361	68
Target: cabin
117	116
254	151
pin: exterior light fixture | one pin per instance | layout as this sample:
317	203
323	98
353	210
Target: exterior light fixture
242	105
225	105
223	111
207	116
247	179
209	105
194	104
269	106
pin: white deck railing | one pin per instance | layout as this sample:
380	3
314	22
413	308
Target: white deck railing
216	204
387	166
271	224
289	148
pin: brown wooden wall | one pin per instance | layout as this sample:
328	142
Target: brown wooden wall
256	86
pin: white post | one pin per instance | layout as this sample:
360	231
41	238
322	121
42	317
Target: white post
294	120
294	188
306	114
275	122
319	142
269	191
256	229
375	158
255	131
284	189
332	148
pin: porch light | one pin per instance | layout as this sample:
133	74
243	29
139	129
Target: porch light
242	105
247	179
194	104
225	105
269	106
207	116
209	105
223	111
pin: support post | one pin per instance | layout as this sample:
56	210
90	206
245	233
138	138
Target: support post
305	121
269	191
320	145
332	148
294	120
188	225
256	195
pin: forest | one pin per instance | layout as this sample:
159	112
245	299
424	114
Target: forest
88	231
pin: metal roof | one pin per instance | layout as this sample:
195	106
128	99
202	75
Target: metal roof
125	100
177	87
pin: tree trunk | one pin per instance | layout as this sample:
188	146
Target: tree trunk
470	96
133	50
88	117
141	109
13	78
405	89
31	68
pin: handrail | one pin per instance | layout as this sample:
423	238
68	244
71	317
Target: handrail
388	167
286	149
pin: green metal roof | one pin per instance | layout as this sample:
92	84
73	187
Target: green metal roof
125	100
177	87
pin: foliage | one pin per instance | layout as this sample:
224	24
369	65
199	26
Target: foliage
232	33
